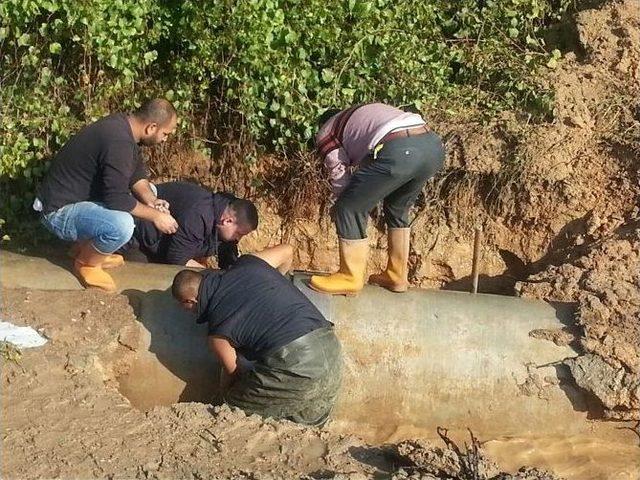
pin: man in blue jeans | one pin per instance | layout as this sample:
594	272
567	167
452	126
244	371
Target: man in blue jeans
97	183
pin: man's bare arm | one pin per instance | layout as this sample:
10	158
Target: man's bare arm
228	357
195	264
279	257
225	352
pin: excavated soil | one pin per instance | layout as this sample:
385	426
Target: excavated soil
63	416
605	285
599	269
559	206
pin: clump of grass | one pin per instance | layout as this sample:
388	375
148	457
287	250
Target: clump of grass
10	353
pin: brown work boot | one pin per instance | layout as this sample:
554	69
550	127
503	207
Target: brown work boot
349	279
394	278
88	267
112	260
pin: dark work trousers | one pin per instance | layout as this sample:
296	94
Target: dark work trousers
396	176
298	382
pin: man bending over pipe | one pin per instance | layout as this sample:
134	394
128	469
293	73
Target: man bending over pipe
208	224
396	153
86	197
254	311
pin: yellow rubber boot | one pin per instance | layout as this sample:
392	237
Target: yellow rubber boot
394	278
112	260
349	279
88	267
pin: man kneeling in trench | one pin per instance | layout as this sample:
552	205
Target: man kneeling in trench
253	310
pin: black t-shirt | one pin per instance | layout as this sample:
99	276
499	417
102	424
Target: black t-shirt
255	307
197	211
100	163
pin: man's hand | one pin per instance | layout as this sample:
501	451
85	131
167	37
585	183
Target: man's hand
165	223
160	205
195	264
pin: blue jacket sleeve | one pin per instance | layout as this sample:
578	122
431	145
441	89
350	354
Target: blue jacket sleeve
186	243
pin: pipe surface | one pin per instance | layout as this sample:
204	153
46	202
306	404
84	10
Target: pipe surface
413	361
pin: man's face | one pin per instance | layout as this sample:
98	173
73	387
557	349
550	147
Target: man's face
155	134
229	230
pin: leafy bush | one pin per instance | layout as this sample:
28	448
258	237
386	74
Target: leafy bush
63	64
266	66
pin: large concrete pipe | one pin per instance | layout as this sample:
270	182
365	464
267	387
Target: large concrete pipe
413	361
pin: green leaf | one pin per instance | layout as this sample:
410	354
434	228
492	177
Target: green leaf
327	75
55	48
150	56
290	37
24	40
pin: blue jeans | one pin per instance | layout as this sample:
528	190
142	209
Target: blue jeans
107	229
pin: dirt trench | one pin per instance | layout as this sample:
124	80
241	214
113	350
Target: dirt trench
63	416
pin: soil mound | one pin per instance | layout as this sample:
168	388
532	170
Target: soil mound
425	461
599	268
605	284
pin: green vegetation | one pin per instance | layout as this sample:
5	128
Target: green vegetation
267	67
10	353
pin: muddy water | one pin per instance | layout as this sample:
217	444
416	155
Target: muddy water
573	457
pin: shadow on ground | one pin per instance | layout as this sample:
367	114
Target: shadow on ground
179	344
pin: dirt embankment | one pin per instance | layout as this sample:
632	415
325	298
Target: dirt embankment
538	190
599	270
605	285
558	203
63	416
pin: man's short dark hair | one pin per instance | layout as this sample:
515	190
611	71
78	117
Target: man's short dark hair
185	283
157	110
245	212
326	115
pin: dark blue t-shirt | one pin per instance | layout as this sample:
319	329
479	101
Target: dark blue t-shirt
255	307
197	210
